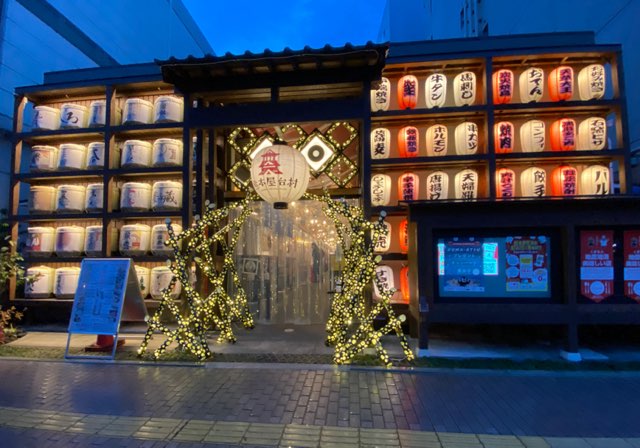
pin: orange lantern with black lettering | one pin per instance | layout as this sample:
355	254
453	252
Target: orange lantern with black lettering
407	92
505	183
404	284
563	135
408	141
561	83
503	135
564	181
502	86
404	236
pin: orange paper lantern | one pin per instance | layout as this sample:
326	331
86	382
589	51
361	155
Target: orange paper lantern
408	187
403	235
564	181
563	135
407	92
503	135
502	86
404	284
561	83
408	141
505	183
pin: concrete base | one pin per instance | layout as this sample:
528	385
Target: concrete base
422	353
571	356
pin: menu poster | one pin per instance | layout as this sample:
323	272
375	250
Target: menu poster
463	263
632	264
596	264
527	266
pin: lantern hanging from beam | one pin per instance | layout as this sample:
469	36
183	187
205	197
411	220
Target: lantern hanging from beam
381	97
407	92
437	140
435	90
564	181
383	244
279	174
408	187
595	180
437	186
380	190
591	82
380	143
561	83
503	135
466	185
531	85
563	135
505	183
384	274
464	89
502	86
403	236
532	136
592	134
408	141
533	182
404	284
466	136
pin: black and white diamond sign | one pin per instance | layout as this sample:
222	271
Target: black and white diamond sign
317	153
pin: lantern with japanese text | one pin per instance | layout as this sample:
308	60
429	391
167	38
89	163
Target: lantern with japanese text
533	182
383	244
466	185
503	135
595	180
592	134
561	83
466	135
407	92
404	284
435	90
408	141
464	89
381	97
531	85
380	143
279	174
591	82
384	275
403	236
380	190
532	136
505	183
408	187
437	140
564	181
502	86
437	186
563	135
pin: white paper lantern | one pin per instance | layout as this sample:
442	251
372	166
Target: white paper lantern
380	190
383	244
408	187
280	174
464	89
591	82
380	143
384	274
438	186
437	140
505	183
532	136
381	97
435	90
533	182
595	180
531	85
466	136
466	185
592	134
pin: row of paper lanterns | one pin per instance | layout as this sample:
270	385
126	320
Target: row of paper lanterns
594	180
384	274
561	84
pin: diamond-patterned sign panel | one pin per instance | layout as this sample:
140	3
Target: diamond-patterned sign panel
317	151
242	139
341	171
264	141
341	134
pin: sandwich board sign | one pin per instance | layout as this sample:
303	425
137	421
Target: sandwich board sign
108	292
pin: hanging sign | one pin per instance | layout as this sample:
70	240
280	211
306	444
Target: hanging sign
632	264
466	136
592	134
435	90
381	96
596	264
526	264
591	82
464	89
437	138
531	85
380	143
437	186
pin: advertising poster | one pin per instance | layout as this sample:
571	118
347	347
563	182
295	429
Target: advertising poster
526	263
596	264
632	264
463	265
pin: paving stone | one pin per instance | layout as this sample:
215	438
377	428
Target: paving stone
533	442
634	442
566	442
603	442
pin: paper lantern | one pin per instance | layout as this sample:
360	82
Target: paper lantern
466	185
561	83
383	244
466	136
591	82
407	92
380	190
592	134
595	180
404	284
381	97
437	186
403	236
435	90
279	174
533	182
564	181
464	89
502	86
532	136
384	275
437	140
408	187
563	135
503	135
531	85
505	183
380	143
408	141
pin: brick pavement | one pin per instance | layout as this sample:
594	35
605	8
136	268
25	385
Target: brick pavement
81	404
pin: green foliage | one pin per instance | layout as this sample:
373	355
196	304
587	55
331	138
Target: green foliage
10	259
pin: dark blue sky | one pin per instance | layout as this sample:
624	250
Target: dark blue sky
239	25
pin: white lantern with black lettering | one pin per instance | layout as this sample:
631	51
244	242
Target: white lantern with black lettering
591	82
380	190
531	85
279	174
438	186
437	140
381	97
464	89
383	244
380	143
592	134
466	185
505	183
595	180
532	136
384	274
435	90
317	151
466	135
533	182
